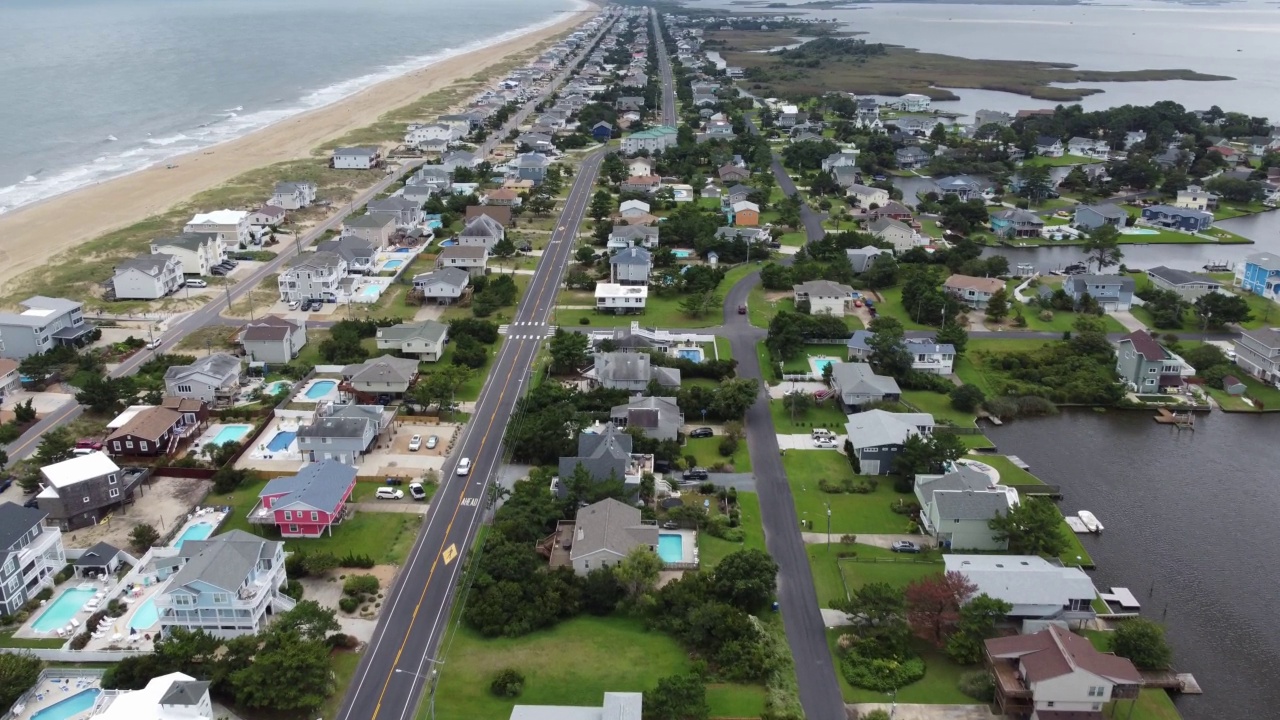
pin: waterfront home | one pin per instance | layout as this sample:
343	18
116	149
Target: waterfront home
912	102
621	299
229	585
898	234
422	339
956	508
824	297
147	277
744	214
357	252
893	210
630	371
344	433
441	133
1113	292
374	228
212	378
861	258
232	225
31	554
974	291
604	533
1036	588
1196	198
877	437
1055	674
865	196
654	139
847	157
405	212
606	456
847	177
308	504
641	184
927	355
1133	138
313	276
1049	147
273	339
1188	285
857	384
1177	218
383	375
630	266
733	174
356	158
658	418
962	187
909	158
1016	223
625	236
991	117
1147	366
196	253
1258	353
174	696
293	195
1090	217
151	432
81	491
1089	147
481	231
445	286
474	260
1260	275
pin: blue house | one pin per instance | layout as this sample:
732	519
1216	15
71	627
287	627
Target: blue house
1177	218
532	166
602	131
1260	275
1113	292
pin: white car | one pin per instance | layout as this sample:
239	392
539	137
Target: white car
464	466
415	443
828	443
387	493
154	344
197	283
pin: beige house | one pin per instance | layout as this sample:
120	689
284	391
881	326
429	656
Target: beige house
975	291
424	340
824	297
865	195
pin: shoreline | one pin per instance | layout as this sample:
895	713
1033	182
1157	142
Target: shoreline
35	234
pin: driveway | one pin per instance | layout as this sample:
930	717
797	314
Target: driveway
743	482
1126	318
885	541
805	442
902	711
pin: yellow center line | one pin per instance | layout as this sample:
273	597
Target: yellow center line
58	421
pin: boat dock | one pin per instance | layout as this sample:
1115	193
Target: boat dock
1076	525
1169	680
1181	420
1122	597
1018	462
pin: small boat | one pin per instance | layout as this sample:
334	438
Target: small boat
1090	522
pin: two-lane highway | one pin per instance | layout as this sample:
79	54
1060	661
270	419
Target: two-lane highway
664	70
401	655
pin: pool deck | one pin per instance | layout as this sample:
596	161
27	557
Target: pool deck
212	431
688	543
260	451
27	629
49	690
301	395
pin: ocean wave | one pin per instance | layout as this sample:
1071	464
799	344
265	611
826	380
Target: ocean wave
231	126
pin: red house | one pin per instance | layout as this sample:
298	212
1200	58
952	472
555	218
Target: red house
308	504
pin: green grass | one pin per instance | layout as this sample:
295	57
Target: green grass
878	565
1153	704
470	390
939	406
574	663
711	550
707	450
1064	161
660	312
825	567
793	239
8	640
891	306
343	664
1227	210
800	363
1010	474
1062	321
1256	390
724	349
939	686
825	415
850	513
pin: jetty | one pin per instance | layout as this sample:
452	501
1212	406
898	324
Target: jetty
1180	420
1169	680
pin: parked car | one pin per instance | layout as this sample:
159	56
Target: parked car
821	434
432	442
696	473
154	344
415	443
417	492
742	309
464	466
905	546
197	283
386	493
395	481
827	443
702	432
5	482
294	305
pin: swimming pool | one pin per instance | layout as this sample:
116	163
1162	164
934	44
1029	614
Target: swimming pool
60	611
199	531
682	253
819	364
78	704
274	387
448	243
146	616
281	441
231	433
372	291
671	548
321	388
1138	231
694	354
392	264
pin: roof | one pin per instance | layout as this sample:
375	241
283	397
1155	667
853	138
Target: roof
893	207
318	259
359	150
77	469
96	556
321	485
1017	215
1176	211
879	225
643	180
183	404
376	220
874	428
1264	260
1028	582
623	366
427	330
385	368
859	378
1146	345
223	561
39	311
1266	337
149	424
445	276
970	505
268	328
1099	285
349	247
634	205
823	289
617	706
499	213
270	210
742	205
631	256
218	365
634	231
152	264
482	226
1046	141
967	282
219	217
1054	652
7	365
649	412
1106	210
186	241
185	692
963	478
473	252
857	189
15	521
613	526
601	453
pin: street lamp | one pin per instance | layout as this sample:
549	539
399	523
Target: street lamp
828	525
433	679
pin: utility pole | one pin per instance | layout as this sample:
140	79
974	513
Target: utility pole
828	526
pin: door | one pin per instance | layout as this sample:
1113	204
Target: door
870	467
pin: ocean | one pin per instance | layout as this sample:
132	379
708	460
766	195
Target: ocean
95	89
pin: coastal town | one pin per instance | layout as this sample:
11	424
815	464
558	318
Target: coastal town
609	388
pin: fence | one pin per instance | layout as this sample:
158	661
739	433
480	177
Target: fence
45	675
826	341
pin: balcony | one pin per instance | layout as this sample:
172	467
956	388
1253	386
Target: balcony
1013	697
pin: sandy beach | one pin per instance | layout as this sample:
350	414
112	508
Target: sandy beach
32	236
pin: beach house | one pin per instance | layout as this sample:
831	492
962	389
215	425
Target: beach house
356	158
313	276
632	371
658	418
308	504
605	532
343	433
1147	366
374	228
1168	216
1113	292
630	266
1036	588
857	384
957	507
423	339
823	297
81	491
1195	197
213	378
31	554
196	253
293	195
147	277
174	696
1016	223
273	339
862	258
1258	353
472	259
896	233
621	299
357	252
974	291
444	286
267	216
232	225
1090	217
1055	674
605	455
45	323
865	195
383	375
152	432
625	236
229	585
877	437
1260	275
1188	285
481	231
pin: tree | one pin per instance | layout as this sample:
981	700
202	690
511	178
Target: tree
601	205
1102	246
309	620
824	184
746	580
881	273
678	697
1216	309
568	351
288	674
966	398
440	386
1032	527
880	611
1143	642
922	455
55	446
733	396
889	354
637	573
934	602
504	248
4	460
99	394
468	352
955	335
938	135
18	673
541	204
977	623
601	591
143	536
701	304
1036	184
24	413
998	306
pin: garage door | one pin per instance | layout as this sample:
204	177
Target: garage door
870	467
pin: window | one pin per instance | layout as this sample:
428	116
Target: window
128	444
293	528
111	479
183	599
1097	691
1049	704
142	445
315	516
288	514
184	388
221	598
114	492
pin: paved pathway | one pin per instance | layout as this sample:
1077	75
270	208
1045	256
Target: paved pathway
1126	318
903	711
875	540
405	507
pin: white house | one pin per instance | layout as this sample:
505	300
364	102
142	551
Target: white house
847	157
229	585
625	236
210	378
273	339
955	508
313	276
634	208
913	102
639	167
865	196
435	131
481	231
424	339
474	260
147	277
293	195
1196	198
196	253
233	225
654	139
444	286
356	158
621	299
824	297
167	697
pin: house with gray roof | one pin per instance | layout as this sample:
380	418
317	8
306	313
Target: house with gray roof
857	384
963	187
861	258
273	339
357	252
926	355
197	253
531	166
356	158
1258	353
625	236
1036	588
605	532
1113	292
846	176
313	276
1188	285
955	508
659	418
383	375
229	585
424	339
444	286
147	277
877	436
630	371
910	157
455	159
630	266
213	378
308	504
471	259
895	232
606	456
406	212
482	231
1091	217
45	323
617	706
1016	223
343	433
31	554
824	297
436	177
293	195
100	560
373	227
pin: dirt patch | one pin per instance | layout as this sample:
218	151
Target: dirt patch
163	503
328	590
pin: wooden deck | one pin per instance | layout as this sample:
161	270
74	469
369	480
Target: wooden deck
1171	680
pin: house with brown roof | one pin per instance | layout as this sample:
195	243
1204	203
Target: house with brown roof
893	210
501	213
1057	675
975	291
733	173
273	339
501	196
194	411
150	433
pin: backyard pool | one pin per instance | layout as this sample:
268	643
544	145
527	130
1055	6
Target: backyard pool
392	264
282	440
820	364
78	704
231	433
671	548
275	387
199	531
60	611
145	617
682	253
321	388
372	291
448	243
1138	231
694	354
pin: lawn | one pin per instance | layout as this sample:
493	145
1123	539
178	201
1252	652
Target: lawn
800	363
1010	474
1227	209
1062	321
343	664
659	311
939	406
939	686
760	310
969	366
850	513
1064	161
707	450
574	663
890	305
824	415
470	390
825	567
711	550
1268	395
877	565
793	239
724	349
9	641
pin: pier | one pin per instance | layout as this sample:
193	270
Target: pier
1181	420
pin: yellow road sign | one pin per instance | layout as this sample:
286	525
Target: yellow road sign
450	554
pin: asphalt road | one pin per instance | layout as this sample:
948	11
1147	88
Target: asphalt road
664	69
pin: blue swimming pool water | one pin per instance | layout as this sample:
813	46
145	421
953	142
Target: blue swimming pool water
694	354
371	291
392	264
281	441
146	616
682	253
449	243
404	250
671	548
199	531
320	388
60	611
275	387
821	365
74	705
231	433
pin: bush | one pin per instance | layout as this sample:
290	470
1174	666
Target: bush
356	561
728	446
978	685
882	674
584	321
348	604
320	563
966	398
78	642
508	683
358	585
293	589
1143	642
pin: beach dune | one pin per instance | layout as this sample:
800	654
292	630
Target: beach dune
34	235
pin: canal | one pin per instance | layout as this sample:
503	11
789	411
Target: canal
1191	529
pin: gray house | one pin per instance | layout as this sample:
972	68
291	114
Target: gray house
44	324
955	508
1258	352
1113	292
657	417
877	437
229	585
374	227
313	276
1188	285
273	339
605	532
1090	217
444	286
1035	587
81	491
604	455
625	236
858	385
357	252
473	260
384	375
424	339
630	371
213	378
481	231
345	434
630	266
1147	366
405	211
31	554
910	157
532	166
862	258
435	177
